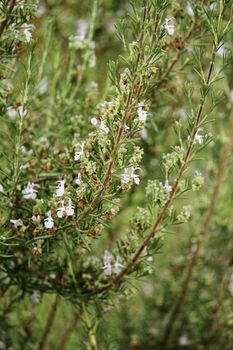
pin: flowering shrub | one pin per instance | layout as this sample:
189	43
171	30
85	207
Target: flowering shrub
99	166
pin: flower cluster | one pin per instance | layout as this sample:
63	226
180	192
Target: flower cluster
110	266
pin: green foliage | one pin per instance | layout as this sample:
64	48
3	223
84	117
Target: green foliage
100	169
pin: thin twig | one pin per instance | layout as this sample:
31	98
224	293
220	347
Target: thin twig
128	112
67	332
202	234
176	58
154	228
49	324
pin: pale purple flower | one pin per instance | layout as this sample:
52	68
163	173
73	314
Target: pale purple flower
29	192
11	112
126	129
167	187
48	222
142	114
61	210
104	128
199	138
35	297
82	27
24	166
170	24
22	111
78	154
107	263
28	29
42	86
70	208
94	121
78	180
17	223
129	174
117	266
36	218
60	189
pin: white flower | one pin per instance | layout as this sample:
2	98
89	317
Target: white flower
214	6
231	285
125	177
142	113
60	189
92	62
129	175
94	121
1	188
61	210
93	85
42	86
79	154
136	179
150	258
170	24
11	112
24	166
199	138
144	133
190	10
231	94
70	208
117	266
107	263
29	192
126	130
82	27
104	128
22	111
221	50
2	345
40	10
17	223
36	218
183	340
48	222
35	297
167	187
78	180
28	29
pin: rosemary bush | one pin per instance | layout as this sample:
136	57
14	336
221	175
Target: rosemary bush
115	180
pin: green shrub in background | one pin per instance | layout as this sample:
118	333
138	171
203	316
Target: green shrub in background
115	186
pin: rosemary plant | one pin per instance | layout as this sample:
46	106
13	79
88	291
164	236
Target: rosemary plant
109	129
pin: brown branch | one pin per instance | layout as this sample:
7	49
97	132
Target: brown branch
67	332
129	109
177	57
49	324
224	281
154	228
127	116
203	231
214	324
